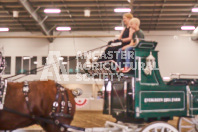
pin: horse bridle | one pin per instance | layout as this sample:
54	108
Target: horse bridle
61	90
54	114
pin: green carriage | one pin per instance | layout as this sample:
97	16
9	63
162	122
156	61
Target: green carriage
142	95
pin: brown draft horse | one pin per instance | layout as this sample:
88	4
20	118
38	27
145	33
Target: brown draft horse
41	97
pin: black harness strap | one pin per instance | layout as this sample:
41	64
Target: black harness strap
3	89
69	108
61	90
55	104
26	91
63	100
49	121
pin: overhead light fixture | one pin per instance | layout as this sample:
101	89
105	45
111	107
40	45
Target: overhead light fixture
119	28
4	29
52	10
187	27
63	28
194	10
87	12
122	10
15	14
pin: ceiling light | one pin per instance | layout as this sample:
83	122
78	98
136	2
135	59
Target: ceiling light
87	13
63	28
187	27
122	10
15	14
3	29
52	10
194	9
119	28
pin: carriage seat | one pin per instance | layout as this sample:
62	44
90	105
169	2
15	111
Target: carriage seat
146	45
182	82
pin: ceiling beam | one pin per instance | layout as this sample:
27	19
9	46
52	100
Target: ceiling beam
99	13
69	13
27	5
9	14
189	15
160	13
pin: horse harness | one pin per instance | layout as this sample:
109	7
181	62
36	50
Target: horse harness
54	112
3	89
3	82
57	111
61	90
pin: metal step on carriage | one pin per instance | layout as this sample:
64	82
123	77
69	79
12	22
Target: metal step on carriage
141	101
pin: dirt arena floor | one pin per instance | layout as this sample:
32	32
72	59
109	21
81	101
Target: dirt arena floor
88	119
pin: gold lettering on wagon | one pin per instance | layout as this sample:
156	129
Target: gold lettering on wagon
165	100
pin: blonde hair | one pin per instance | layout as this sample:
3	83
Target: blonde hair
135	20
128	15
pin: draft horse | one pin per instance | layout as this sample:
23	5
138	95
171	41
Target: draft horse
37	102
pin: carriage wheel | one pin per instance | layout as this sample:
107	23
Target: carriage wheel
159	126
188	124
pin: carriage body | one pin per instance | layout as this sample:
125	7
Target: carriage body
140	97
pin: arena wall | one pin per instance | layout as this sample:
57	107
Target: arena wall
177	54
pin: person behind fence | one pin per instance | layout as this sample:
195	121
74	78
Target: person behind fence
125	39
126	51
